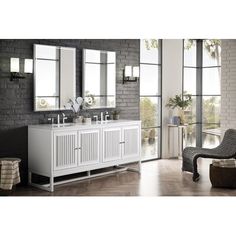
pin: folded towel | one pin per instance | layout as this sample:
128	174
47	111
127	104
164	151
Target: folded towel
9	174
228	163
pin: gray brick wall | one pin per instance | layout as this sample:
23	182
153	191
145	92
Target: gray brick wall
228	84
16	98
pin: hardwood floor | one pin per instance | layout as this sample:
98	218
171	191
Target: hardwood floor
158	178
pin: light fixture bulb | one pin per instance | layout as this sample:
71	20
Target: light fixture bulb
136	71
28	66
15	65
128	71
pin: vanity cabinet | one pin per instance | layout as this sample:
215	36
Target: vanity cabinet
112	141
55	151
88	147
65	150
121	143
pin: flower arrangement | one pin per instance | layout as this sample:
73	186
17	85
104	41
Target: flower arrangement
75	105
179	102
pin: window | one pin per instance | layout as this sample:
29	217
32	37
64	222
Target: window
150	97
201	79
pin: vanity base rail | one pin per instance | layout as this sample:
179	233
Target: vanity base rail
50	186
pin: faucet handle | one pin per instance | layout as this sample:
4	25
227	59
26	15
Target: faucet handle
51	119
106	115
95	117
64	117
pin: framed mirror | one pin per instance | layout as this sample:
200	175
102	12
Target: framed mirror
99	78
54	77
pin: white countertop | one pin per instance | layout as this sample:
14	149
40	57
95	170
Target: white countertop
67	126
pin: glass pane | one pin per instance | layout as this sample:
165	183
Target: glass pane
190	81
92	82
97	56
149	51
149	111
190	112
211	52
150	140
100	79
210	135
211	81
47	73
47	103
190	53
149	76
191	136
47	52
211	109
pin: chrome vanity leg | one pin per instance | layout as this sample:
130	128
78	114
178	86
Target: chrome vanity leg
51	184
139	167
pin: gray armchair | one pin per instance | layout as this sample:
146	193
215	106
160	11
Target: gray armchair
226	150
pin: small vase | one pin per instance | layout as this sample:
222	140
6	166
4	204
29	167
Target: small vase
181	115
116	117
78	119
87	120
176	120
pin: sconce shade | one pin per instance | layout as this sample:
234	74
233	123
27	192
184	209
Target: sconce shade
136	71
128	71
15	65
28	66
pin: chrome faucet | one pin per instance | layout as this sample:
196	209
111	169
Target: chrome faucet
101	116
51	119
96	118
58	119
106	115
63	118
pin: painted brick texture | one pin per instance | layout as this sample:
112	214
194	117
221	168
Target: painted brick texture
16	98
228	84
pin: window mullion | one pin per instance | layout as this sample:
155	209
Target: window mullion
199	93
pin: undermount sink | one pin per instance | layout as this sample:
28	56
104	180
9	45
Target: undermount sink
62	125
104	122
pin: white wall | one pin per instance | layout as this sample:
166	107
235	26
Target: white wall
172	50
228	84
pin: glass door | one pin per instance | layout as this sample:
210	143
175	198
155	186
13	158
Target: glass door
150	97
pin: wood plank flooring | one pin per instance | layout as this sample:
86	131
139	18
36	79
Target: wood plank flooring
158	178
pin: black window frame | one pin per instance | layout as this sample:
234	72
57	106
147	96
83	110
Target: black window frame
159	97
199	90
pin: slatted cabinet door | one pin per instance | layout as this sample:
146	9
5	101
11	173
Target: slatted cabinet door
131	139
111	144
65	150
89	143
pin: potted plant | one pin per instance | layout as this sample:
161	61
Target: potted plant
115	114
181	103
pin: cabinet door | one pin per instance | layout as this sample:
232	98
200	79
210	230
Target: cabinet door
131	141
89	144
111	144
65	150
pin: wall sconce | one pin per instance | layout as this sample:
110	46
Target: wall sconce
15	68
28	66
130	74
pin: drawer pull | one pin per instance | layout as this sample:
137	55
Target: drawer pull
122	142
77	148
